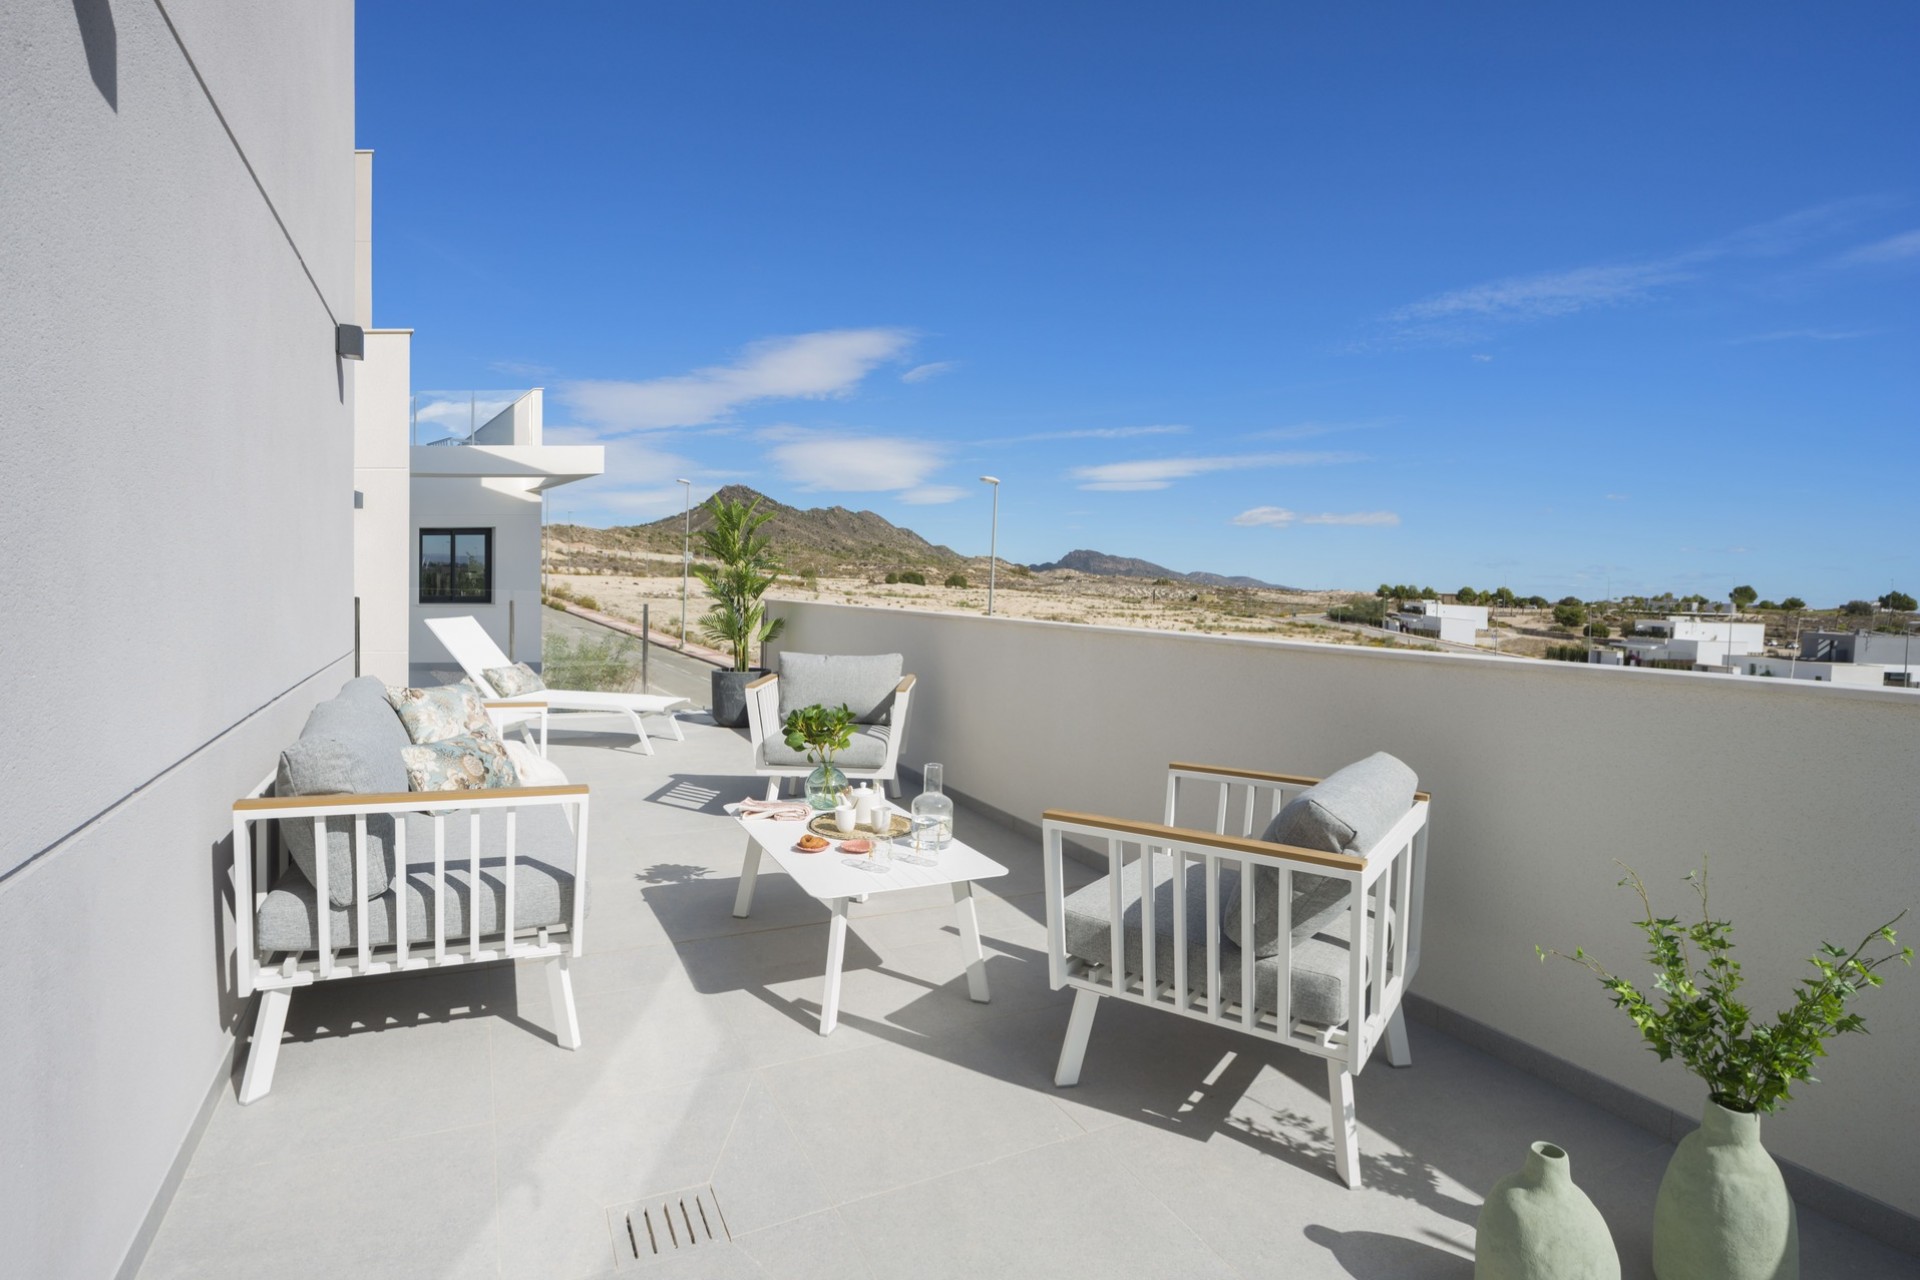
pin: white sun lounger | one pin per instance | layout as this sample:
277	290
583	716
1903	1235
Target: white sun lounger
477	654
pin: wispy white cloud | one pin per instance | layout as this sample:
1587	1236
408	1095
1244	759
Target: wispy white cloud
638	483
1617	497
1898	248
828	462
1160	473
807	366
933	369
928	495
1467	314
1481	357
519	368
1801	335
1089	433
1281	518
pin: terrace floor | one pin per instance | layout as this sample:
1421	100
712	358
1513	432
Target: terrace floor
430	1126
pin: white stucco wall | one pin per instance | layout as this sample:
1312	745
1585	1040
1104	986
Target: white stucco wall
1542	773
383	558
177	564
513	513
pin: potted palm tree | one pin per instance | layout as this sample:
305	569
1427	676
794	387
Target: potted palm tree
741	568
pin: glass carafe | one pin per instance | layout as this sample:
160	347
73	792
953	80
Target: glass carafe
933	810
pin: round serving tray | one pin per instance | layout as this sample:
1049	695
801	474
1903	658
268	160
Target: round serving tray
822	824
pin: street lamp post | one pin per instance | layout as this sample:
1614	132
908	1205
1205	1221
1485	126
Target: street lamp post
993	539
686	558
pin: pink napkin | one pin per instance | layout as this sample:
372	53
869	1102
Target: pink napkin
777	810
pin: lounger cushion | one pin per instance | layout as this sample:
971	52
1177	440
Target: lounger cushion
866	750
534	769
542	885
864	683
512	681
1347	812
351	744
1319	961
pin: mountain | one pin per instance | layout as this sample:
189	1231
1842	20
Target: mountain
820	538
1101	565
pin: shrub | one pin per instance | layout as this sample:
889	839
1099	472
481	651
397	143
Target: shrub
1858	608
913	577
1570	614
1360	609
611	664
1599	630
1566	653
1793	603
892	577
956	580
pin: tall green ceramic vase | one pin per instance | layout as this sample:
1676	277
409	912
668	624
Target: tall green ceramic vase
1724	1212
1536	1225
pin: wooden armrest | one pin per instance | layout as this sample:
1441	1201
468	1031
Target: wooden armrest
507	706
1256	775
906	683
771	675
414	799
1155	832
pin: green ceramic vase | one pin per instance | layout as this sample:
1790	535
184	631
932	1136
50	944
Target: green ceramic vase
1536	1225
1724	1212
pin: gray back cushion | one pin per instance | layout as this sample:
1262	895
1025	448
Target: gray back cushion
351	744
1347	812
863	682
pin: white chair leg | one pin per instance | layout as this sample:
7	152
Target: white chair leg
264	1052
1073	1050
773	787
1345	1128
893	787
1398	1055
566	1021
646	743
673	723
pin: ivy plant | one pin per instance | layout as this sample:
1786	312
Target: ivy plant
821	732
1694	1014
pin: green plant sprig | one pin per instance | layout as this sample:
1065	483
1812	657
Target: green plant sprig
1747	1066
821	731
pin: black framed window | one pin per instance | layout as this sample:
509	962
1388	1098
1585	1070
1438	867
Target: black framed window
456	566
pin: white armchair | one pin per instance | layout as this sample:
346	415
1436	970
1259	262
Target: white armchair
872	686
1340	962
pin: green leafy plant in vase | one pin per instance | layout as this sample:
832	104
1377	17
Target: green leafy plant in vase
1723	1211
823	733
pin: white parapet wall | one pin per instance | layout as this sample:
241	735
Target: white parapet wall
1545	777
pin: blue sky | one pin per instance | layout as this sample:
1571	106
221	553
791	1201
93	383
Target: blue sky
1626	296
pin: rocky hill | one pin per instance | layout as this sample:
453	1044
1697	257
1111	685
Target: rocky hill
824	539
1102	565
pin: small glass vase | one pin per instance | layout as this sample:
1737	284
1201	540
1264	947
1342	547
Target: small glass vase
824	786
933	810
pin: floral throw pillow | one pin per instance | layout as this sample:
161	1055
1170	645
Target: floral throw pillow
449	711
462	763
514	680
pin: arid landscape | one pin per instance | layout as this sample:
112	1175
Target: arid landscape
857	557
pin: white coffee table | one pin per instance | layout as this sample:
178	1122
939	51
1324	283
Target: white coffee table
827	877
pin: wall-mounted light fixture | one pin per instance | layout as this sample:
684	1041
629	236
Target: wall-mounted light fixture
349	342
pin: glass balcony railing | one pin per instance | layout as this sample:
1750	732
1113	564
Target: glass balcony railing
474	417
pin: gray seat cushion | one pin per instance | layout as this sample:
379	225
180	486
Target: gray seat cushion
1346	812
866	750
864	683
543	886
351	744
1319	961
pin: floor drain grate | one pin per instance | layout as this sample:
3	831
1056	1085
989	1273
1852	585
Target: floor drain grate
664	1225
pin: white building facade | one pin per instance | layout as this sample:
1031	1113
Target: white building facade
1454	623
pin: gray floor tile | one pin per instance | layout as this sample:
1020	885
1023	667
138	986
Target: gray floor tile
419	1206
819	1246
366	1061
1060	1210
567	1157
885	1115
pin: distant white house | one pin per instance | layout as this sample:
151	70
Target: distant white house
1698	640
1455	623
448	491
